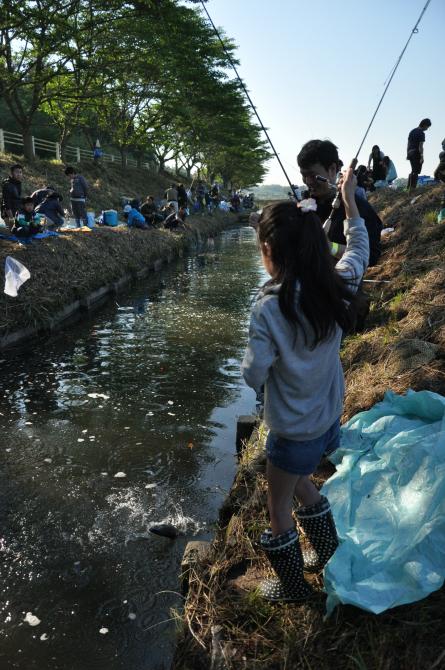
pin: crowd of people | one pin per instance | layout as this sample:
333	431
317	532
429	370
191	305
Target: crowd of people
29	215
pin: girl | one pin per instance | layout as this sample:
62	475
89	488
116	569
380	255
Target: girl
293	350
376	158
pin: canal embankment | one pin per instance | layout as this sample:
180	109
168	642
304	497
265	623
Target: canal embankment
225	623
75	271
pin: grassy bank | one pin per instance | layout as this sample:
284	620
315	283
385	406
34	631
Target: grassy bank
225	624
69	267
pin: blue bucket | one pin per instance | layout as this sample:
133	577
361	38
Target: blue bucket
90	219
110	217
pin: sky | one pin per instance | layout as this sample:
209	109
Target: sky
318	69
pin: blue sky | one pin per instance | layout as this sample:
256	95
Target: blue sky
317	70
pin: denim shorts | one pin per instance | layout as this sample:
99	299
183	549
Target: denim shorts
301	458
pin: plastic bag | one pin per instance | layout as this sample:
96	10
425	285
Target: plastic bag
15	275
388	500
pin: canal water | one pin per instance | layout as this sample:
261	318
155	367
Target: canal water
116	424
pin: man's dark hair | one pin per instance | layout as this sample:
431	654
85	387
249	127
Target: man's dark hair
318	151
17	166
27	200
70	170
425	123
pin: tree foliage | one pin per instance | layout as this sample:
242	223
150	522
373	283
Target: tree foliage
148	76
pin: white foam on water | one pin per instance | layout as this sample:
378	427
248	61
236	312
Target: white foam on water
31	619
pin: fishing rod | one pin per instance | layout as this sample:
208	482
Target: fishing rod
246	93
337	200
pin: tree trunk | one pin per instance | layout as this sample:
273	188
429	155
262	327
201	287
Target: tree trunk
63	142
28	149
161	161
123	153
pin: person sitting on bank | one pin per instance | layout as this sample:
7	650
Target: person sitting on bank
12	192
364	182
40	194
320	157
391	172
439	172
52	210
134	218
150	211
27	221
375	163
176	220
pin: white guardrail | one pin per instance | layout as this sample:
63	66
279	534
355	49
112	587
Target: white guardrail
9	139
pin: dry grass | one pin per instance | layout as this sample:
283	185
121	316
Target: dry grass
403	347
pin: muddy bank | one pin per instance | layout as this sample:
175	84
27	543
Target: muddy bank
225	624
73	271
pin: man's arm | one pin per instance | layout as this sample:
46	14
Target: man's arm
421	151
8	198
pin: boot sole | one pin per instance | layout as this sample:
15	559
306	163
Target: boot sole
301	599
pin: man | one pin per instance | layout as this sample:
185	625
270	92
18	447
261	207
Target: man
176	220
41	194
171	195
12	192
78	196
414	151
320	158
150	211
52	210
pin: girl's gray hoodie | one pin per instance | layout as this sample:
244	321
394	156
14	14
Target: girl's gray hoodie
304	388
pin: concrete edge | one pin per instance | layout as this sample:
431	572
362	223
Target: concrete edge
92	301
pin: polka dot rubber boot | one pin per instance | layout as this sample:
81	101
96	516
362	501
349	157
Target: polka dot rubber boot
319	527
284	554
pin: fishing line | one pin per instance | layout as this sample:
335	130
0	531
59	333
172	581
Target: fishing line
354	162
413	32
247	96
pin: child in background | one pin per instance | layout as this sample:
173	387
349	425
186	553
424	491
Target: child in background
134	218
439	174
293	350
27	221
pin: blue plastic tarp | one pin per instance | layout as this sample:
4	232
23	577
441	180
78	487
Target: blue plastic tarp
388	500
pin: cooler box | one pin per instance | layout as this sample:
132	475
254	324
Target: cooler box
90	218
110	217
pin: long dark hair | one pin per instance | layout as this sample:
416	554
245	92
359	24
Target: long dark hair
300	253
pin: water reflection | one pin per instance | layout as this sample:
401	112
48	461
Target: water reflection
148	389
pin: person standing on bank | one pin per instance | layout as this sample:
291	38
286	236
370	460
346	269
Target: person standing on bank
320	157
12	192
293	350
414	151
78	196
